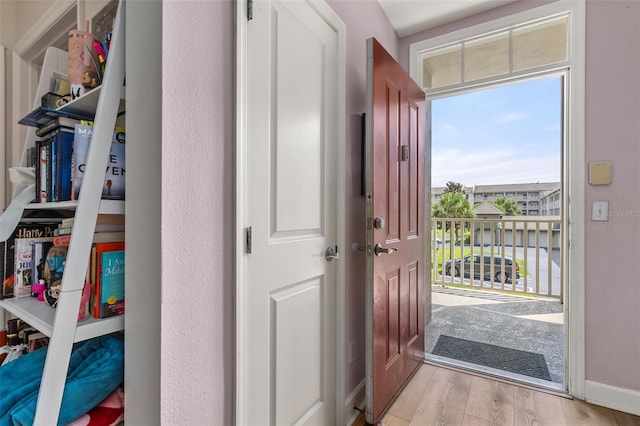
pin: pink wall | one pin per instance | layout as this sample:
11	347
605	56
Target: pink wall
198	194
197	357
359	29
612	253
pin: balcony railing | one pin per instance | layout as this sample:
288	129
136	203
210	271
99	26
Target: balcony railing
520	255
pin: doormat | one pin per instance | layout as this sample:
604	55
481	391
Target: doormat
527	363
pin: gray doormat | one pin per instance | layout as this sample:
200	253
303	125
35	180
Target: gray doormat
512	360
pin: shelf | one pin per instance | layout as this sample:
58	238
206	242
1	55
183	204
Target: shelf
106	206
83	108
41	317
86	104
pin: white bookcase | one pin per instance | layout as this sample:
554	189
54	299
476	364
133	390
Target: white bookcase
61	324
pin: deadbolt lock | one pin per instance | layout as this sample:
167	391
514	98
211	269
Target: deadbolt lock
378	223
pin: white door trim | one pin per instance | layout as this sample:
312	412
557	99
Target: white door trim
3	188
241	207
574	170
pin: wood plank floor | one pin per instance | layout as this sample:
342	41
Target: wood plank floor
441	396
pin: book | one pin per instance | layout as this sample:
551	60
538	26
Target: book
53	174
114	182
62	163
111	283
62	231
24	264
57	122
67	222
100	249
98	237
7	251
42	172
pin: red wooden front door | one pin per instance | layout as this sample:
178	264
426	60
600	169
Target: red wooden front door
396	238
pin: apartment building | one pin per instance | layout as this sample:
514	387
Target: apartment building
534	199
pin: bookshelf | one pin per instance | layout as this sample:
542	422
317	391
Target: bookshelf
61	324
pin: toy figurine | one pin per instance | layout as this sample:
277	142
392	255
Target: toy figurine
90	80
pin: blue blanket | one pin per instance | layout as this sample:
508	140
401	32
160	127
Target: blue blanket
96	368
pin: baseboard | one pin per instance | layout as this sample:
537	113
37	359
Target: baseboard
616	398
356	398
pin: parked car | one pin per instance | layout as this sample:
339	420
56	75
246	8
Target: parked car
436	243
511	268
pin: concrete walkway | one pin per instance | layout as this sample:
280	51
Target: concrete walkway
523	323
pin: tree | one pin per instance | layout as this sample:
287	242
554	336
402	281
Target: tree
452	205
508	207
453	187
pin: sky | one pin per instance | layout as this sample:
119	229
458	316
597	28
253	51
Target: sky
509	134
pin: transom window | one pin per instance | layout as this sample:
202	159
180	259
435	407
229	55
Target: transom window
504	53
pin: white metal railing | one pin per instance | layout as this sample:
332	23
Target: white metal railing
512	254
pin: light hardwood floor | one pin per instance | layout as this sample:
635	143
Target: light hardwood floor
441	396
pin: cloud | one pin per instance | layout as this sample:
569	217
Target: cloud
509	117
490	167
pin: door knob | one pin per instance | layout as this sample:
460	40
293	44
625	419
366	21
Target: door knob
331	254
378	250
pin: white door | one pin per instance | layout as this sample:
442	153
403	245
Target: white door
287	367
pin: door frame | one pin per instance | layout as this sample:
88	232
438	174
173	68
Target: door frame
242	23
573	180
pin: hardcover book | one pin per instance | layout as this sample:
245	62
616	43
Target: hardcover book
114	182
112	284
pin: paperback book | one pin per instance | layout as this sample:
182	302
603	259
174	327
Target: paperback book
112	284
114	182
24	264
96	274
8	251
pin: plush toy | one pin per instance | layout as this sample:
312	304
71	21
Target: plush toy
52	293
39	289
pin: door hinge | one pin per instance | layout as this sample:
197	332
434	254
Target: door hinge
247	240
249	10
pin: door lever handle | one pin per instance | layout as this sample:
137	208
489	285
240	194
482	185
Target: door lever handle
378	250
331	254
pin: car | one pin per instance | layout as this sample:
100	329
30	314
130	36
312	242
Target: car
436	243
511	268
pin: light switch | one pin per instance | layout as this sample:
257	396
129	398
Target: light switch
600	211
